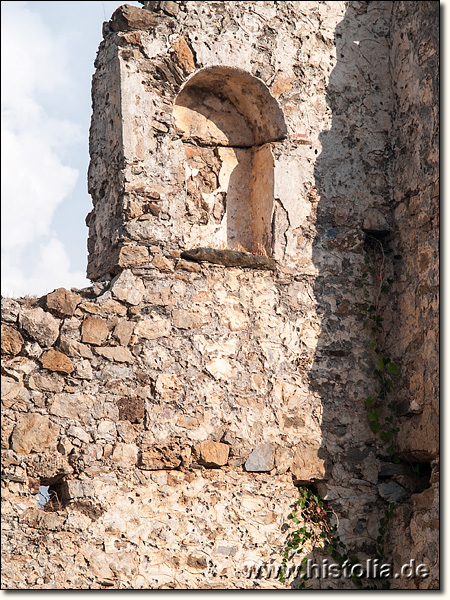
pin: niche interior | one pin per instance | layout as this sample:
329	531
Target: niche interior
228	119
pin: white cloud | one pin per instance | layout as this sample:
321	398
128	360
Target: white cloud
35	178
51	270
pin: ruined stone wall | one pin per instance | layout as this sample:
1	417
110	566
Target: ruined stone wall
415	336
174	406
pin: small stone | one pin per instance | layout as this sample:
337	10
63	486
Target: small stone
188	266
12	341
186	319
129	18
261	459
94	331
153	328
106	431
62	302
125	454
131	409
124	331
83	370
133	256
424	499
116	353
161	456
309	463
34	433
212	454
128	288
56	361
391	491
41	326
375	222
162	263
74	348
79	433
183	55
46	382
153	208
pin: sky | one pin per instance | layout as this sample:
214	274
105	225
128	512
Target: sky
47	62
48	52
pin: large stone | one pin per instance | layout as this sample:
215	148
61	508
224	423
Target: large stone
72	406
130	18
94	331
10	310
133	256
212	454
261	459
74	348
46	382
62	302
34	433
56	361
309	464
161	456
12	341
128	288
14	394
391	491
41	326
115	353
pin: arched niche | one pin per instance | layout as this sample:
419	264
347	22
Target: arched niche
227	119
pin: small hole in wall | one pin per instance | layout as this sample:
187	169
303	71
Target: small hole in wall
52	495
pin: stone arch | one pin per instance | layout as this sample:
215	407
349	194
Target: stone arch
228	118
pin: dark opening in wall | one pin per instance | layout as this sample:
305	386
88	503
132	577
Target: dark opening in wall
52	495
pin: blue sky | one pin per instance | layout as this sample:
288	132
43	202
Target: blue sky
48	53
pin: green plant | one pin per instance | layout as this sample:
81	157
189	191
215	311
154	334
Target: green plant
385	369
315	531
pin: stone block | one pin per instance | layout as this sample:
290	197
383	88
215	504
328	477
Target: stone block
57	361
41	326
133	256
131	409
186	319
261	459
128	288
212	454
62	302
161	456
309	464
12	341
116	354
125	454
94	331
34	433
129	18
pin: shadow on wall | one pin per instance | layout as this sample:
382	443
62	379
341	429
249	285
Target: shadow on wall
233	113
351	178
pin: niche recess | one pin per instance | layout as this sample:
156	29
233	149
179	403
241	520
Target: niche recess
227	119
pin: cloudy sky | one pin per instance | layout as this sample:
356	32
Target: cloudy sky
48	51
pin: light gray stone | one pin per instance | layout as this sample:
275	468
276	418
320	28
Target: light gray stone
261	458
41	326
